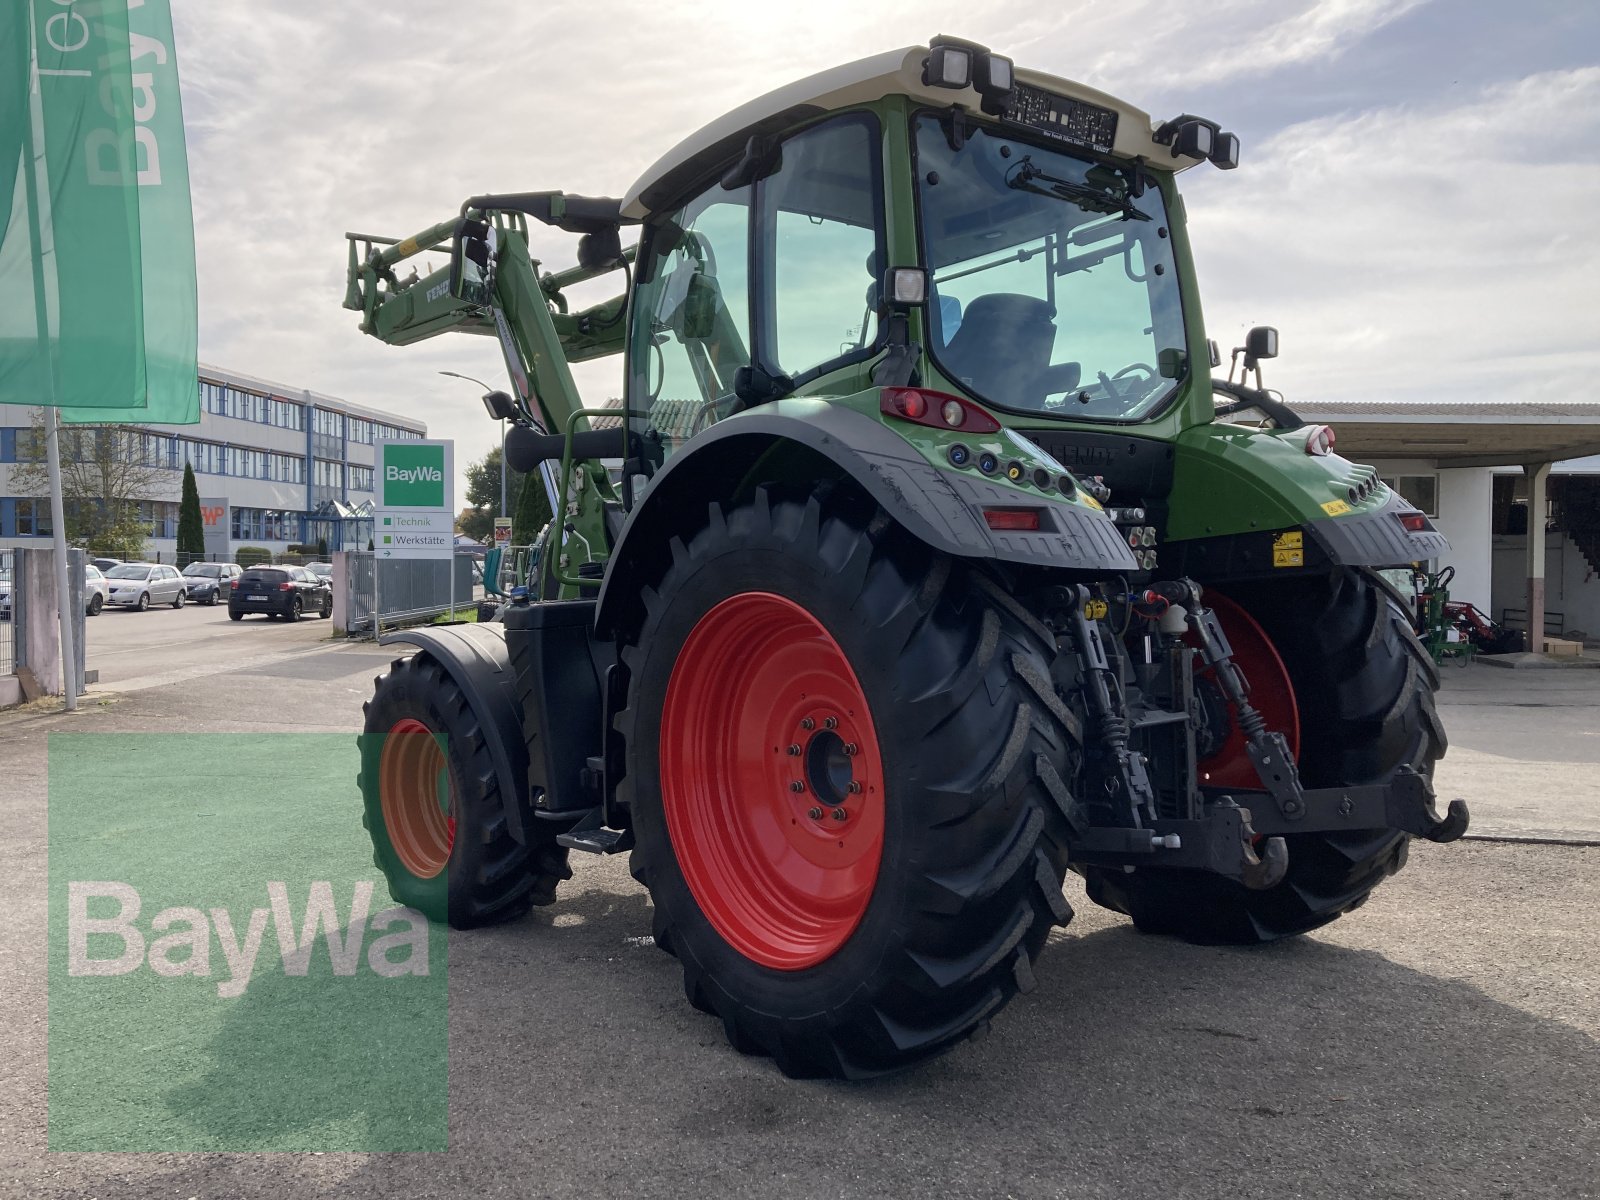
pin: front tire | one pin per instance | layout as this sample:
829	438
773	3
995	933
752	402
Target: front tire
432	803
1364	687
180	599
144	602
852	946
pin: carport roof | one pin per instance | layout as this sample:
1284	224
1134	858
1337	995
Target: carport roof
1489	434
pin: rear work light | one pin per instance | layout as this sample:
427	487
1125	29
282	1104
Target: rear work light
1023	519
936	410
1414	522
1319	440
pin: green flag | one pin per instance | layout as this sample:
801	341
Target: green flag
160	165
71	297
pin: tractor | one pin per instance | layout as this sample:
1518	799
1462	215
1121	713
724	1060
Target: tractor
919	560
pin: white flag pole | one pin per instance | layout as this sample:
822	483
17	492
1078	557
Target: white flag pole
58	521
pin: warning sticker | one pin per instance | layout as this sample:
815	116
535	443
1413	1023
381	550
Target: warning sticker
1336	508
1288	549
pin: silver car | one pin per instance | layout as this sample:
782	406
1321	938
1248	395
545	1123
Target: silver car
95	590
209	582
139	585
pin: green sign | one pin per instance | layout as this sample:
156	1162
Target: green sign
416	476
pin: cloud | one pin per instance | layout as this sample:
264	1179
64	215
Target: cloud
1437	248
1418	253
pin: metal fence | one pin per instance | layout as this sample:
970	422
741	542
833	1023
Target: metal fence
409	590
8	612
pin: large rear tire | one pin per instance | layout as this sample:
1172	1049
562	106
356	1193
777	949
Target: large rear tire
431	801
843	946
1364	687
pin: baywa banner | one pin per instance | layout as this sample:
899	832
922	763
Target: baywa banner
97	278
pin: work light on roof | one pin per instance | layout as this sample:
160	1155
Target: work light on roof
949	64
1195	137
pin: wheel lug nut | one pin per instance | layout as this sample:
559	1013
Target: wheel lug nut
815	814
807	723
839	814
797	786
851	749
831	723
855	787
794	750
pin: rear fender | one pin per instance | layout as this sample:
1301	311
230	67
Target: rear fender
476	660
806	440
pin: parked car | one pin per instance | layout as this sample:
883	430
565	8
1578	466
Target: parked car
139	585
105	564
209	582
287	592
322	570
95	589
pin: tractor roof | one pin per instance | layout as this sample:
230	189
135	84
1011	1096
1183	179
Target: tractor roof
896	72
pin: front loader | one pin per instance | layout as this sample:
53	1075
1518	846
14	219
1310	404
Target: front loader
921	560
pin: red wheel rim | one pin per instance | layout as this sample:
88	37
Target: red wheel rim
762	699
414	790
1271	694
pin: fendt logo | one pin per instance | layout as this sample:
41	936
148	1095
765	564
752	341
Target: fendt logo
413	477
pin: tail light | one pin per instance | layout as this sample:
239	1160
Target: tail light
1413	522
1023	519
1319	440
233	585
937	410
286	586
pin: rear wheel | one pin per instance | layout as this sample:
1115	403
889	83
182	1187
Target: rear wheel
432	803
293	612
96	603
235	616
1363	689
180	599
844	766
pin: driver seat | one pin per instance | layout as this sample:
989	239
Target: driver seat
1003	347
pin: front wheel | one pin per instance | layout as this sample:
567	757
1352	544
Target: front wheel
844	769
1363	699
180	599
432	802
144	601
327	607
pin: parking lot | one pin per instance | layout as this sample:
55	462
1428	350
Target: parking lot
134	650
1439	1042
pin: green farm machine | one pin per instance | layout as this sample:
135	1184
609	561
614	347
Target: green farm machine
921	561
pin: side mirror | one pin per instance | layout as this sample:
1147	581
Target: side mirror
472	256
1261	342
696	318
601	249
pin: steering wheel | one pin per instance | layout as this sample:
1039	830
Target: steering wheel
1108	382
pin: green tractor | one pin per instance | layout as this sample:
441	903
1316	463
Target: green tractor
920	561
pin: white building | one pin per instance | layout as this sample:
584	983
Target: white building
276	466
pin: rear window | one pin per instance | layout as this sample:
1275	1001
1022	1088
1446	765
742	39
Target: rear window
260	576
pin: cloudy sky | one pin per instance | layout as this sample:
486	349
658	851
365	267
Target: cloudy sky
1416	209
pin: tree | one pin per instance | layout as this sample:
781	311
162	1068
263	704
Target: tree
533	510
483	496
106	470
191	530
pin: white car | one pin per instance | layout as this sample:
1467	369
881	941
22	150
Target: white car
96	591
139	585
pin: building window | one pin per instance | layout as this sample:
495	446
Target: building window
33	518
1421	491
360	478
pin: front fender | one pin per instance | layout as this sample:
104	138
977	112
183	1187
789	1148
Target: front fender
475	659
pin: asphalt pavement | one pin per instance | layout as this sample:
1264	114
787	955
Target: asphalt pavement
1439	1042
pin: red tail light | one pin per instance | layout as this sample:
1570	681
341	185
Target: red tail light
233	585
286	586
1025	519
937	410
1414	522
